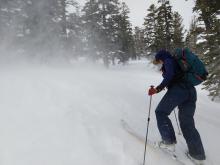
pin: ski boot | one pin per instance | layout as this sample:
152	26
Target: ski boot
195	161
167	146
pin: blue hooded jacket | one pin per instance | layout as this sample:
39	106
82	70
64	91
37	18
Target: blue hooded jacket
170	68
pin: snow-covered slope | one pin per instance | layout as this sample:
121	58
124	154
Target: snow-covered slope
71	115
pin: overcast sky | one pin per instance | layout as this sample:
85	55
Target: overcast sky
139	8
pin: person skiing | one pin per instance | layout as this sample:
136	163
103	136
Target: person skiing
180	94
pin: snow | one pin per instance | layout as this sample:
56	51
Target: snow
201	40
71	114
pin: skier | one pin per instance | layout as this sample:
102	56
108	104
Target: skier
182	94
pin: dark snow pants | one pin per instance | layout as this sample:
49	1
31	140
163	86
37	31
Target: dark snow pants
183	96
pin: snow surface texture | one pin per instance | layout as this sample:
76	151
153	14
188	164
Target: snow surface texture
71	115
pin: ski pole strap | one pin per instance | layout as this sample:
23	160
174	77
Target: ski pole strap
199	77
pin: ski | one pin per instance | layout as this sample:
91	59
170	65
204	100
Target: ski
194	161
154	145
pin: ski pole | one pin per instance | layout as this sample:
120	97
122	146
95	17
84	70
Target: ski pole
148	123
178	126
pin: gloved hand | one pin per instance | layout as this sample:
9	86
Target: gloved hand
152	91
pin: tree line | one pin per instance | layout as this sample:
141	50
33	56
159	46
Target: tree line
47	29
101	29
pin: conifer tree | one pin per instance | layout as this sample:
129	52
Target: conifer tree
12	17
91	25
191	37
100	24
43	27
125	34
150	23
209	12
177	39
139	42
163	28
75	34
70	24
164	24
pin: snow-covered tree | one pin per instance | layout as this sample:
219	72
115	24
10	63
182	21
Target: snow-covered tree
40	28
100	25
163	28
209	13
159	27
164	24
194	39
12	17
125	35
108	30
178	33
150	23
139	41
191	37
47	27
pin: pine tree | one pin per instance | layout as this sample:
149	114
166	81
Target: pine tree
11	24
109	31
75	34
178	33
150	23
191	37
42	28
46	28
100	24
139	41
125	36
91	25
209	13
212	59
70	24
164	27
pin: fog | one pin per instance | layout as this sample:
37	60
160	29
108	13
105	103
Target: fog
46	31
59	105
37	30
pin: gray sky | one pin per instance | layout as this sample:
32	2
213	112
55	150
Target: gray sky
139	8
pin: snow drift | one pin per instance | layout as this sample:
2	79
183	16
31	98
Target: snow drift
71	115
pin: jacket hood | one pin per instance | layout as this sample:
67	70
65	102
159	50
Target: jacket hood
162	55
